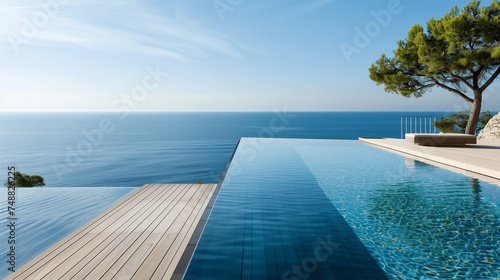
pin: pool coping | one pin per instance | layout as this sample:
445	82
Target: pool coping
477	160
187	255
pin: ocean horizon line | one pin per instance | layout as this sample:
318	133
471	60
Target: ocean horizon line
294	111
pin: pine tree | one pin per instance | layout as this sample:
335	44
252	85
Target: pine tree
459	52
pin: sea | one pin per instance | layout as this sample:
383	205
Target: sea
90	161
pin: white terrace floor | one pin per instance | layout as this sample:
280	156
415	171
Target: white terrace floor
481	159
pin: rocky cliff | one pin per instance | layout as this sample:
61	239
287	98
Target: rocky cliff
492	129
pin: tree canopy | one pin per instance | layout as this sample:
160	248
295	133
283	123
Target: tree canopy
459	52
27	181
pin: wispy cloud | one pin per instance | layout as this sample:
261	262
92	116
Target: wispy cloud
127	26
314	5
294	8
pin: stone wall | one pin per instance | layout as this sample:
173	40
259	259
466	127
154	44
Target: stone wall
492	129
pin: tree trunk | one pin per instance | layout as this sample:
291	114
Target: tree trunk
475	112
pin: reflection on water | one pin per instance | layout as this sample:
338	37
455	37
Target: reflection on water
417	220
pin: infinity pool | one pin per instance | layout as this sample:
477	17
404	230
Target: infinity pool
325	209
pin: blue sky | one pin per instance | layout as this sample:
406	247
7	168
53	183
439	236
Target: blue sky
193	55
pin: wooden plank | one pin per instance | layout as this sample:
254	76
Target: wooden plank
108	261
68	258
35	264
168	266
147	229
158	234
97	243
126	266
167	251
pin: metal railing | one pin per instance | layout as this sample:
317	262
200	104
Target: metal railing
419	124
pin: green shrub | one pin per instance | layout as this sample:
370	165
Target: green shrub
456	123
27	181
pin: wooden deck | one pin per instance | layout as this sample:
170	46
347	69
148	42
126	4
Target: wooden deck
482	158
141	237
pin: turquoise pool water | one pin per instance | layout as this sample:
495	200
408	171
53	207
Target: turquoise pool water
324	209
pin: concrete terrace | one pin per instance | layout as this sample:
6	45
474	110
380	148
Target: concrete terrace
144	236
476	160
